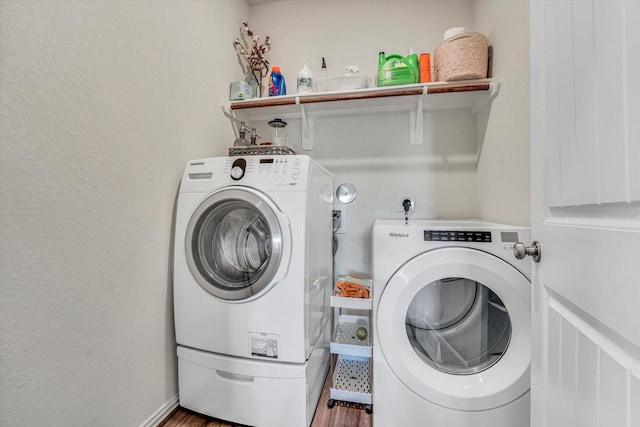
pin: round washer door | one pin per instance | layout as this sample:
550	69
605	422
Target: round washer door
453	326
237	244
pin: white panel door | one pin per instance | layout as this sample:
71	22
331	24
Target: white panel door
585	145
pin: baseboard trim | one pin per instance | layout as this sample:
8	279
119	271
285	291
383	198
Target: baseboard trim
162	413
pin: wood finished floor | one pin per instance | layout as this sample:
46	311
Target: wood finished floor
341	415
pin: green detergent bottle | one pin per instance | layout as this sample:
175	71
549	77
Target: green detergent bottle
398	70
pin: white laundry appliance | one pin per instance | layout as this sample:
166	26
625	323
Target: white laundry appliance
451	308
252	279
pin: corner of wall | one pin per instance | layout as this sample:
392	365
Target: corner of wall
503	184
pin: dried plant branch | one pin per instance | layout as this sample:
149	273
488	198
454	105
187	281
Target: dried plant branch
252	52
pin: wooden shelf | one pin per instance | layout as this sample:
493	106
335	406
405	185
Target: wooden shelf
416	99
367	94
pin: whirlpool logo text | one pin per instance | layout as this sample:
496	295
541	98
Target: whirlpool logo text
399	235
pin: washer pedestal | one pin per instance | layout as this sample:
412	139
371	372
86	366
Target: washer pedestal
252	392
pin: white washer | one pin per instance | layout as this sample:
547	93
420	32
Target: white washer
252	278
451	306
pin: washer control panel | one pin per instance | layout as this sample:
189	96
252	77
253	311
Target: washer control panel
265	173
270	171
279	168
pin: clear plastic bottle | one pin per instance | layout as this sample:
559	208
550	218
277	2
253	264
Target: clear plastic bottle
305	80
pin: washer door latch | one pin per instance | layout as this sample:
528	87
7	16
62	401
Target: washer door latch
520	250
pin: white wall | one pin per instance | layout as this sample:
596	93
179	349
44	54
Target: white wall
102	104
504	171
352	32
373	152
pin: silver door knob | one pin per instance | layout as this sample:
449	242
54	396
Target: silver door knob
520	250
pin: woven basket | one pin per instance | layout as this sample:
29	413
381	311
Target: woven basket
462	57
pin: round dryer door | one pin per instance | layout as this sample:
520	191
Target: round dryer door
453	325
237	244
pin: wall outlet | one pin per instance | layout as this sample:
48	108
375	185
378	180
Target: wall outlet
339	220
402	198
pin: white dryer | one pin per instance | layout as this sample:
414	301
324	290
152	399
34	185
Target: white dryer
451	308
252	278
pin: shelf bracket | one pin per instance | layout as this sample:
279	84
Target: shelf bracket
228	114
416	121
307	127
231	115
494	90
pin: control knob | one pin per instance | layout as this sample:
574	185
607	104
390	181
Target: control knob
238	168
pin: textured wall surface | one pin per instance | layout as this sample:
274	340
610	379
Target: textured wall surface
102	104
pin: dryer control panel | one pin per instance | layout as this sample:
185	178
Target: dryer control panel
457	236
424	235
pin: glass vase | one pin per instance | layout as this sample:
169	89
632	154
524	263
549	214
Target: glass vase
254	82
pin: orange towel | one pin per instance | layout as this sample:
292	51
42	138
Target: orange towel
352	290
